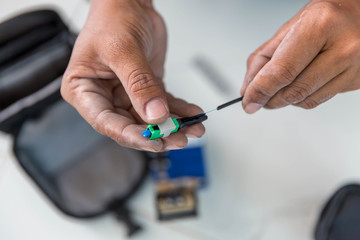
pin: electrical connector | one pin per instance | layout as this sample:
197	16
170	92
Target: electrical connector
172	125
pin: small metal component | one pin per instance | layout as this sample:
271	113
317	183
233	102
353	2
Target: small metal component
164	129
167	127
176	199
178	175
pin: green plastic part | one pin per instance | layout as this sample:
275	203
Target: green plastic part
155	131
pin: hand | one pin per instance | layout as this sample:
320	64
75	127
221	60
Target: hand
114	78
311	58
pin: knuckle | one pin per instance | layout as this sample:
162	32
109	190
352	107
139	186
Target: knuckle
251	58
119	139
68	85
259	94
271	105
295	94
310	103
140	81
123	40
327	14
284	73
98	124
352	50
275	103
101	125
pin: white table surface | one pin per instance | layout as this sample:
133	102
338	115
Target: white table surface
269	173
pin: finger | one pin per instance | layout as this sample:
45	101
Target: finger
263	54
324	68
299	47
145	91
132	137
184	109
117	125
255	63
325	93
175	141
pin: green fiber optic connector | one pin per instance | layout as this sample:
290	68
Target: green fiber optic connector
172	125
155	131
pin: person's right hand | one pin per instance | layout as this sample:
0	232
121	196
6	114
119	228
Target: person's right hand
114	78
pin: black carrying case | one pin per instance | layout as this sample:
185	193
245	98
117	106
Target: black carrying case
340	218
82	172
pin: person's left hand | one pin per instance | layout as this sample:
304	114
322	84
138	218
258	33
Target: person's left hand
312	57
114	77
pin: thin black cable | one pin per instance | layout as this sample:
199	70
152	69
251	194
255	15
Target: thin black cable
229	103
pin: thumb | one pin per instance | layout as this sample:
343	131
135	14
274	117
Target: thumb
146	92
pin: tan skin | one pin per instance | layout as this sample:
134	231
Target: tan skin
311	58
114	78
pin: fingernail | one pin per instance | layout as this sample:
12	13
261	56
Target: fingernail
173	147
252	107
189	135
156	108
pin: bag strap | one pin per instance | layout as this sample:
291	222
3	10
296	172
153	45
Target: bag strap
123	214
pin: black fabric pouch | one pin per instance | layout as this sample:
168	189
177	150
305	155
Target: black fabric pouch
82	172
340	218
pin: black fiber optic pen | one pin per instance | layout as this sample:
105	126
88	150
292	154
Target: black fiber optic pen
172	125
